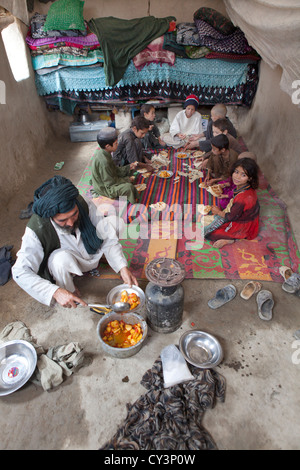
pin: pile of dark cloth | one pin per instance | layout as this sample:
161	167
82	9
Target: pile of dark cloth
170	418
6	263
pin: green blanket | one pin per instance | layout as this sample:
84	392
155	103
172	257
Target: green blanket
121	40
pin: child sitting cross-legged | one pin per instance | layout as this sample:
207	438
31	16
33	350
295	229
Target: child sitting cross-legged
240	220
108	179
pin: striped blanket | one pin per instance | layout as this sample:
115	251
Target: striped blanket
173	233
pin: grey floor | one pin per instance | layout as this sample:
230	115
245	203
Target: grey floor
261	363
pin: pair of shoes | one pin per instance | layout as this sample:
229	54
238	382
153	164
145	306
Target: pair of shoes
222	296
264	299
252	287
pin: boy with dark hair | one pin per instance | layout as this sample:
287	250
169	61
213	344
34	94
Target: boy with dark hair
152	138
222	126
107	179
130	147
220	160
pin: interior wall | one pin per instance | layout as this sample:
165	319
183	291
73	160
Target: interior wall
24	127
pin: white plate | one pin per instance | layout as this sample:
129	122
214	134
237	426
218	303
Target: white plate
165	177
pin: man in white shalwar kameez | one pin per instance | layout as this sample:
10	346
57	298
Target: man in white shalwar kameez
186	123
65	237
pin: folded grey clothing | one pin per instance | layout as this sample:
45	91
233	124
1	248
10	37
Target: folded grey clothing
52	365
170	418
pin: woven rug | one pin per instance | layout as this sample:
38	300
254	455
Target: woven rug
173	233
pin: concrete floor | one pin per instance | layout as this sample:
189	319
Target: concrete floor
261	364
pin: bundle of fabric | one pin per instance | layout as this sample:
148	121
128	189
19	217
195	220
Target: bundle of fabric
219	34
154	53
138	34
170	418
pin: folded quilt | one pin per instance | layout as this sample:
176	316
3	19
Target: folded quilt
89	40
154	53
121	40
37	29
231	43
67	60
187	34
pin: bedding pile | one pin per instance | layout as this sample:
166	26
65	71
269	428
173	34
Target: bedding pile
163	60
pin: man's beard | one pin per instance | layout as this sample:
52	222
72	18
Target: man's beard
69	230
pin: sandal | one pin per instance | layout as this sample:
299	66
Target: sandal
265	304
249	289
222	296
292	284
285	272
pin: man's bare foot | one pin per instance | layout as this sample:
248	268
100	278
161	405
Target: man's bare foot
222	242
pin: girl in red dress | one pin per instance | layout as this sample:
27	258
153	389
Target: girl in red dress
242	221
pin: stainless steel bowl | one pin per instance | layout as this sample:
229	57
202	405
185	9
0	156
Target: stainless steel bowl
17	363
201	349
131	318
115	295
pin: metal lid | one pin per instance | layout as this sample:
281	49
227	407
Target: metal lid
165	272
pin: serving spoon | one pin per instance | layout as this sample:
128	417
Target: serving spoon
118	307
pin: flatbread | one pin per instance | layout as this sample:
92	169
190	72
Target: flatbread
203	209
141	187
198	153
215	190
159	206
163	153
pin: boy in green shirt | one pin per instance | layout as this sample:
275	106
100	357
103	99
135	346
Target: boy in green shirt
107	179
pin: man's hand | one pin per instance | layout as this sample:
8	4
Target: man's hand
128	277
66	299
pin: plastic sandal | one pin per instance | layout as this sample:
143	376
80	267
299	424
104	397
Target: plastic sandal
285	272
265	305
292	284
222	296
250	288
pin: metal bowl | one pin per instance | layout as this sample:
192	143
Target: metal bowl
115	295
131	318
17	363
201	349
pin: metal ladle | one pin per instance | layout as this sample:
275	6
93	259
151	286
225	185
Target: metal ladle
118	307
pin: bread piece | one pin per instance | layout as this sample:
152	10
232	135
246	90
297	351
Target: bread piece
203	209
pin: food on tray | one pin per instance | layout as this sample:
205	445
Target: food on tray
164	174
203	209
132	299
159	206
119	334
140	187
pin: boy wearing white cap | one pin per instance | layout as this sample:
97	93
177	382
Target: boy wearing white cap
186	123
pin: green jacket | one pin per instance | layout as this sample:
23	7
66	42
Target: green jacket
108	179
